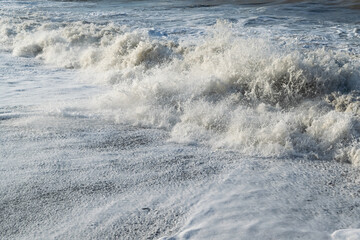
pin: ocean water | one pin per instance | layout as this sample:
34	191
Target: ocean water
179	119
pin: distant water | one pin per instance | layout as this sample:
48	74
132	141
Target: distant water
91	92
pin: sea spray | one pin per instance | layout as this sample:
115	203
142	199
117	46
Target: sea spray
225	90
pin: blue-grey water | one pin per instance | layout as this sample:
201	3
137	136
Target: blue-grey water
179	119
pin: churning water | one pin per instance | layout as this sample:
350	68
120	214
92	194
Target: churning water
184	120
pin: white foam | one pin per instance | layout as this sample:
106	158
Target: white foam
226	91
346	234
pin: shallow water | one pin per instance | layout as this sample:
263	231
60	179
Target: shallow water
135	119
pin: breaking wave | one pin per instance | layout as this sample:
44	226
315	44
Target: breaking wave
224	90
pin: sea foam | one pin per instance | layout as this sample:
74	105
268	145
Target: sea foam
247	93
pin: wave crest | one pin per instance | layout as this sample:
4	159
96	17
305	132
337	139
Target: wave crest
223	90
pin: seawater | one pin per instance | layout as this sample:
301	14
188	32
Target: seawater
108	100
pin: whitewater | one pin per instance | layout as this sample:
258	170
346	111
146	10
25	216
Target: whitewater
179	120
